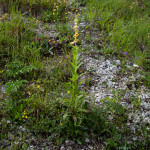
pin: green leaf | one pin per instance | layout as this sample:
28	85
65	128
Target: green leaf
73	65
79	142
49	50
65	116
46	148
81	82
25	146
78	67
82	110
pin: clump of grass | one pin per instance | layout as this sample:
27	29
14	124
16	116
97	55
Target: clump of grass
125	25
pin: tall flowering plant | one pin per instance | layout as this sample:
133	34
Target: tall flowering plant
76	100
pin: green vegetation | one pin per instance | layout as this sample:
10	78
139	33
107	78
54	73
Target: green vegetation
42	74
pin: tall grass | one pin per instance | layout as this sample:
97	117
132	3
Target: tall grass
126	25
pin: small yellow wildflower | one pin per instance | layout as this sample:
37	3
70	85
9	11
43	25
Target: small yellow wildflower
75	40
54	42
38	86
75	27
54	9
76	30
141	91
26	117
29	9
22	116
49	40
72	43
53	13
136	21
68	92
57	6
75	36
61	124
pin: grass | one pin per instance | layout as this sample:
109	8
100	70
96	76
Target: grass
122	23
42	74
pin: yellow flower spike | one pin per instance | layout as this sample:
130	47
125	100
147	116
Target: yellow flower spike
76	31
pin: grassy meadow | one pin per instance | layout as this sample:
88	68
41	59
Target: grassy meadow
41	70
